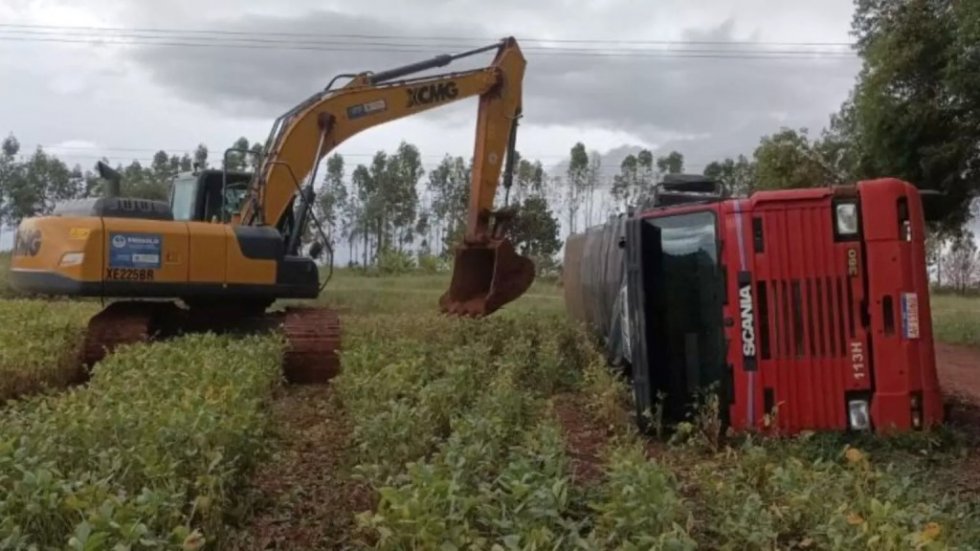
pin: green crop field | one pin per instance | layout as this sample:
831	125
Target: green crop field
439	433
148	455
39	344
510	433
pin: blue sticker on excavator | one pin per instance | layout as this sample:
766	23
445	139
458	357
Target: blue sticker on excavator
135	250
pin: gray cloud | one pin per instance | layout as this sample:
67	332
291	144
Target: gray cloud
712	105
260	81
156	95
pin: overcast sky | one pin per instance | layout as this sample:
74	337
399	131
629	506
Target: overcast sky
85	100
143	97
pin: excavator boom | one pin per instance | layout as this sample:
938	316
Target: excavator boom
487	272
336	118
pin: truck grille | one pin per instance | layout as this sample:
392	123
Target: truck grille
806	315
802	318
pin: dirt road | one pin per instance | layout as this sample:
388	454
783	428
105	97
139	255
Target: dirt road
959	371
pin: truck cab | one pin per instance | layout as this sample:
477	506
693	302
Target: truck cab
803	309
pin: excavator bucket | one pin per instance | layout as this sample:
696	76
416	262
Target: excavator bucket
486	277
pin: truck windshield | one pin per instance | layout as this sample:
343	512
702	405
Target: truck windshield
688	349
182	198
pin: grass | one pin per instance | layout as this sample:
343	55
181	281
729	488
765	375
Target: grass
39	343
352	293
956	319
760	495
472	456
5	290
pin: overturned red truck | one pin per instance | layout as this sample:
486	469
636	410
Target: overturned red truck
812	304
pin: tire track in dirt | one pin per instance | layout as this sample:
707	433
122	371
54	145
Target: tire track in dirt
959	371
958	367
306	496
585	438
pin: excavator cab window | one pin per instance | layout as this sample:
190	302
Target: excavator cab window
183	196
208	196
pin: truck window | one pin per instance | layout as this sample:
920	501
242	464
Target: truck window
687	318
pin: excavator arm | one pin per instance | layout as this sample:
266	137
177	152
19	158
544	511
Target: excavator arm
487	273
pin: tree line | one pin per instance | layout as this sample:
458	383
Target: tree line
32	183
392	205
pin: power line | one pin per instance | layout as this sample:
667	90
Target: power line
122	36
204	41
226	32
336	40
141	160
557	52
84	148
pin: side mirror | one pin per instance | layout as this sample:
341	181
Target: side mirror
113	178
316	249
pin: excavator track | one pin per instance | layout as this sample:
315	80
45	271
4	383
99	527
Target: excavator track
118	324
312	334
312	341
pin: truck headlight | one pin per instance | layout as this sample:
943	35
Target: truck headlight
858	415
846	219
915	402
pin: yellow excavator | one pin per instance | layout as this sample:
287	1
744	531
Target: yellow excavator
229	244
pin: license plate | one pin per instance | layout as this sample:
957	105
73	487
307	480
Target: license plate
910	315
